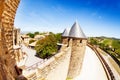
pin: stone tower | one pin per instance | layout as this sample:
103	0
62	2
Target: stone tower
65	39
77	41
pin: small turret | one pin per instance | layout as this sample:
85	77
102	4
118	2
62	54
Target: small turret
65	36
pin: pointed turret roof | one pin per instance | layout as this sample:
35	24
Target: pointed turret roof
66	32
76	31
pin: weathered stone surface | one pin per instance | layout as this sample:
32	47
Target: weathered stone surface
64	40
7	58
77	55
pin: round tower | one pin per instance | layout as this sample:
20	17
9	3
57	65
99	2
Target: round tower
78	44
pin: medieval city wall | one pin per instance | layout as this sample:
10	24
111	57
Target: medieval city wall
8	10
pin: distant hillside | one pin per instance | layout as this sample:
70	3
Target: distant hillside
109	45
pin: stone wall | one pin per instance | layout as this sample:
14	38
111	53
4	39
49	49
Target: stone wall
56	68
77	55
65	40
7	59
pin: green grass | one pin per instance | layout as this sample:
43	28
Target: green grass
69	79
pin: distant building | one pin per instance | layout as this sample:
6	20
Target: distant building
38	37
25	39
16	36
16	44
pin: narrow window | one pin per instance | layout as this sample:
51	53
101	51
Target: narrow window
68	39
68	42
80	41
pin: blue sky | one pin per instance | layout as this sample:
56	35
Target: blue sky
96	17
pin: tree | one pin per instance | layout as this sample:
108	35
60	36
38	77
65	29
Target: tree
116	46
46	47
31	35
36	33
58	37
102	46
93	41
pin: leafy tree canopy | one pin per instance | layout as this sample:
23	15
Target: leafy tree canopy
31	35
58	37
36	33
93	41
46	47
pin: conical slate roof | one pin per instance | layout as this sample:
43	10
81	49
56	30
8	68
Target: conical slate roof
76	31
66	33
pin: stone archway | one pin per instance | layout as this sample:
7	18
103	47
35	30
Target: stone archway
8	10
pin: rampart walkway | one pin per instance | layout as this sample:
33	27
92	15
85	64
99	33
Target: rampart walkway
92	68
